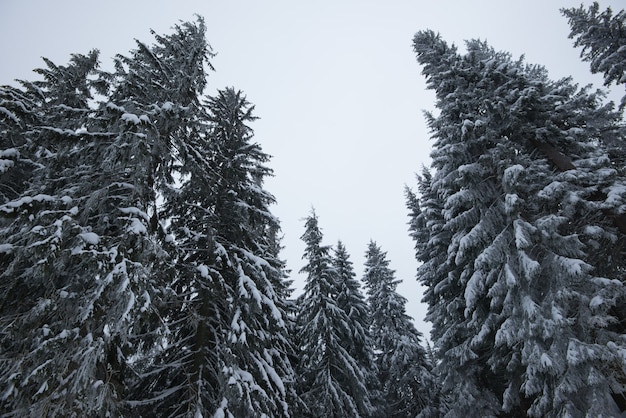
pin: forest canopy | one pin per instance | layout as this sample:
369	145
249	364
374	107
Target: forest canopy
140	259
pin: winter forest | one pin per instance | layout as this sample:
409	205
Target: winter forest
140	262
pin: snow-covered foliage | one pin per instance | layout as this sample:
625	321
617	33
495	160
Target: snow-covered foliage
404	373
333	379
602	36
350	299
69	298
520	238
139	259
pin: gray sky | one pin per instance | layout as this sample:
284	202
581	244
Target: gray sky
335	83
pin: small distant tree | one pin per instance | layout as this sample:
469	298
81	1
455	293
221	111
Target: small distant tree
332	382
404	374
350	299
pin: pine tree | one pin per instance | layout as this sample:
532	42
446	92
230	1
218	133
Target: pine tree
331	382
404	375
517	217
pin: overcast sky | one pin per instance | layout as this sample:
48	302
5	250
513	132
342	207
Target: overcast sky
335	84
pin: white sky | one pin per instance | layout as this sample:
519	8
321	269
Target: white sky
335	83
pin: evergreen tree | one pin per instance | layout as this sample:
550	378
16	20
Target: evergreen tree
351	301
404	375
331	382
514	228
18	110
66	299
94	224
140	269
425	220
227	349
256	369
602	36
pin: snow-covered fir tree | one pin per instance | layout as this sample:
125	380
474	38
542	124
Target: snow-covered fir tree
404	374
332	382
38	104
350	299
140	268
519	231
228	329
421	226
66	308
602	36
256	369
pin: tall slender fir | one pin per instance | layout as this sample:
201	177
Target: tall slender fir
331	382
